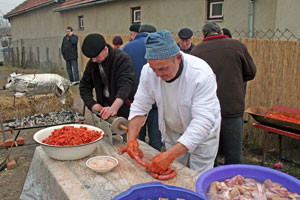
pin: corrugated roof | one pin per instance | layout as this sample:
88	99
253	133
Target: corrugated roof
28	5
71	4
61	5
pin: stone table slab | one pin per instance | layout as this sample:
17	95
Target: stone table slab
48	178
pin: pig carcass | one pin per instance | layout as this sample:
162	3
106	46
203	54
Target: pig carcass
33	84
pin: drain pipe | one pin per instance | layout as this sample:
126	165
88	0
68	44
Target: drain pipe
251	19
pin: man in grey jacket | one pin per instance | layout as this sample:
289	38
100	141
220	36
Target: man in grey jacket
233	65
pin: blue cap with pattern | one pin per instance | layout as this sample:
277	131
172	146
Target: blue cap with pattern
160	45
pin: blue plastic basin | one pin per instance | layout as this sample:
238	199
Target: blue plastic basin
257	173
157	190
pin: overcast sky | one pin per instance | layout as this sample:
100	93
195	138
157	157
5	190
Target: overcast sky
8	5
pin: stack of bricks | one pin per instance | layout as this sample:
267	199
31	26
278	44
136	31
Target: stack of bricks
20	141
11	162
7	143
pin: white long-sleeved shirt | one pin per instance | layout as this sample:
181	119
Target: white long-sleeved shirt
198	104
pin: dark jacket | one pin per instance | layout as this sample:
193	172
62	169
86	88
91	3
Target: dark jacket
136	50
233	65
120	81
187	50
69	47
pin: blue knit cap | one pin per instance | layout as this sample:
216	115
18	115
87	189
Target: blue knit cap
160	45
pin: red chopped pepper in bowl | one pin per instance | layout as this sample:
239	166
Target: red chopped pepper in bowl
69	142
69	136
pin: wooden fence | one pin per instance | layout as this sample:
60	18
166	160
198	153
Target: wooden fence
277	82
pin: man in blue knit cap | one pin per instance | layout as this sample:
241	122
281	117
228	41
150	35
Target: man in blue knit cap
184	89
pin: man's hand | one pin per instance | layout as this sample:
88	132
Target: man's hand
107	112
133	149
161	162
134	152
104	112
97	107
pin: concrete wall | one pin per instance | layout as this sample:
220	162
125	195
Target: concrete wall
38	23
115	17
232	9
36	39
236	15
288	16
270	17
42	53
39	32
174	14
264	14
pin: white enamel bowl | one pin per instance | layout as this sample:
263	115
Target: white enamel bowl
66	152
102	164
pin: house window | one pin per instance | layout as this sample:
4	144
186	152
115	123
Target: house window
81	22
215	9
136	15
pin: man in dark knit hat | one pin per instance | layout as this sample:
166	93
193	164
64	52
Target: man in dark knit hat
110	72
134	29
117	42
185	40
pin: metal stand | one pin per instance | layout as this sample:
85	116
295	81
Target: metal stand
110	132
277	131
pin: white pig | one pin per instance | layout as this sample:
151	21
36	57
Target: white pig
33	84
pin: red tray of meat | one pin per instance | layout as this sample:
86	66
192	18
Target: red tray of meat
276	118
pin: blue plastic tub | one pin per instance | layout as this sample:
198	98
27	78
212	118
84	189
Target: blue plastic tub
157	190
257	173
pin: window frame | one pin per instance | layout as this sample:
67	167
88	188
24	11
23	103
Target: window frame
81	22
134	12
210	4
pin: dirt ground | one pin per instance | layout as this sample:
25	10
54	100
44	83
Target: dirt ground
12	181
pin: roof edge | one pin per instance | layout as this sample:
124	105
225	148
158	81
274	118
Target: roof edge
7	16
82	5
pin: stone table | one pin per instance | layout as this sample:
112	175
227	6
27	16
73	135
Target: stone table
48	178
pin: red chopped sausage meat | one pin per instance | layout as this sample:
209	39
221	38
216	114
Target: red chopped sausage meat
69	136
